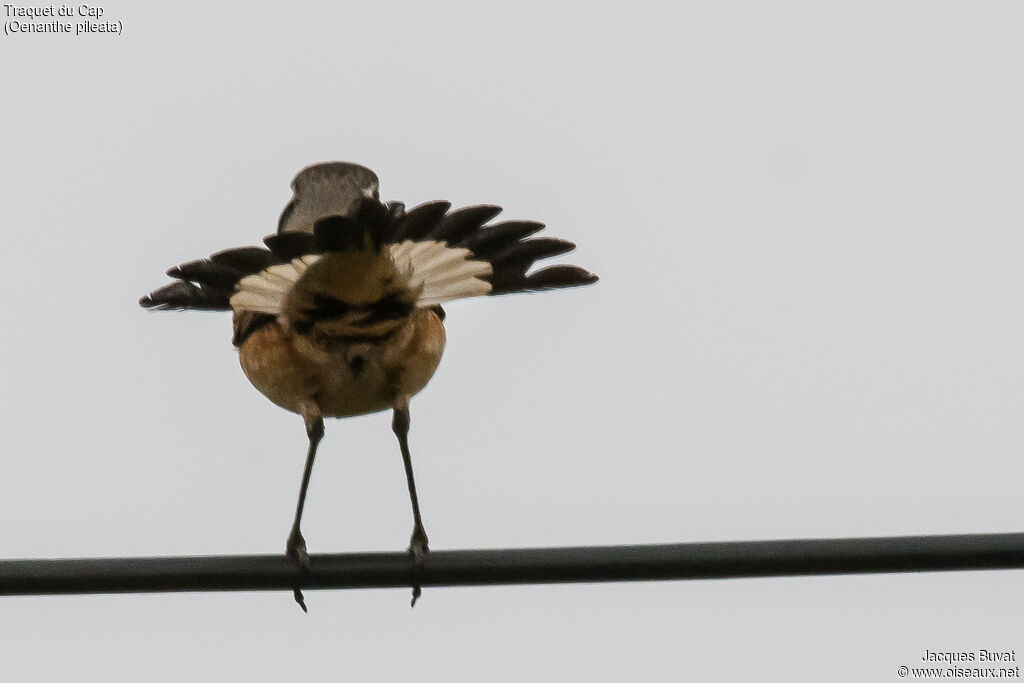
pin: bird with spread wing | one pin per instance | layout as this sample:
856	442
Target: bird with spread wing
340	314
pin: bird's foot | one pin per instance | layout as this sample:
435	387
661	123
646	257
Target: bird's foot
418	548
296	549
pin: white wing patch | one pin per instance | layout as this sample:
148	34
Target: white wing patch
444	273
264	292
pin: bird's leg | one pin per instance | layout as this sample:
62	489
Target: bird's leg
296	546
418	542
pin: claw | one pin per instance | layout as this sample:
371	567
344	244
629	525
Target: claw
300	599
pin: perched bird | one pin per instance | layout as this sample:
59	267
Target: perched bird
341	314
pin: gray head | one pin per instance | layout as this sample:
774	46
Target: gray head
334	188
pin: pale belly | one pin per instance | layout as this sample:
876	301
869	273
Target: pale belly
343	379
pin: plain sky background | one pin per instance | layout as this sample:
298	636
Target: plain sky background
809	224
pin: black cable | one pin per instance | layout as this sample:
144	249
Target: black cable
517	566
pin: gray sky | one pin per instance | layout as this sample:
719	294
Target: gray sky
808	223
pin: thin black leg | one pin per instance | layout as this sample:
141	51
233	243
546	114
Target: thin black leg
418	542
296	546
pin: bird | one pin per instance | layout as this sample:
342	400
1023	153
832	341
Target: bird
340	312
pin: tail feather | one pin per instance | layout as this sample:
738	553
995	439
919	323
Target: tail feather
207	284
522	255
181	295
396	211
461	223
436	294
499	236
289	245
339	233
553	277
245	259
440	259
346	271
416	223
207	272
